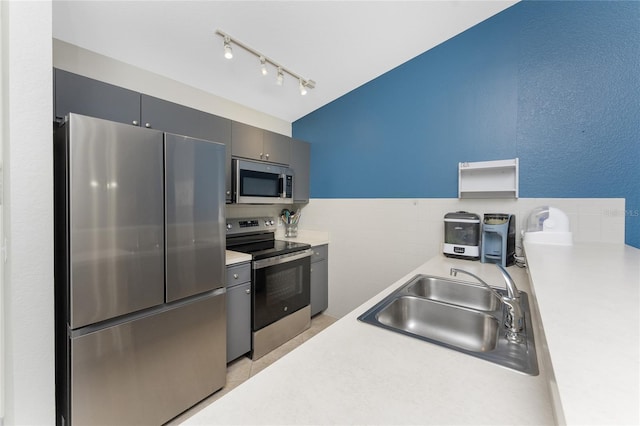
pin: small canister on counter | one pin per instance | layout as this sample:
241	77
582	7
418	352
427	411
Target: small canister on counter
290	220
462	235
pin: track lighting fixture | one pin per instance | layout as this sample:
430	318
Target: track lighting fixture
228	53
303	84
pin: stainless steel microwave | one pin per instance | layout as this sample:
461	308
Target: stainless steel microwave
261	183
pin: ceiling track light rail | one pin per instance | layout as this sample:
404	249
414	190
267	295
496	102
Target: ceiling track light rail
303	83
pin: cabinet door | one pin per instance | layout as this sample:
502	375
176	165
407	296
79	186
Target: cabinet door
181	120
319	286
277	147
238	321
300	162
246	141
86	96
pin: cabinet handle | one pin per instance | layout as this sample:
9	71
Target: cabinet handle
134	122
147	125
235	276
248	291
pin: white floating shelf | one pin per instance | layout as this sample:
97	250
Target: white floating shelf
488	179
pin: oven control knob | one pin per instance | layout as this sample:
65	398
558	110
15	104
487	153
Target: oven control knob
229	226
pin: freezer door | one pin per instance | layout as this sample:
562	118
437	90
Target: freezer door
116	221
149	370
195	215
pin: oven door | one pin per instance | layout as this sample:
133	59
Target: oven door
281	286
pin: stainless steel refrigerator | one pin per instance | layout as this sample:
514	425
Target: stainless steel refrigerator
139	272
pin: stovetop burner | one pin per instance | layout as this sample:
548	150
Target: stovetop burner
257	238
263	249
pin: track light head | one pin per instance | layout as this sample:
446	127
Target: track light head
303	87
280	77
228	52
263	65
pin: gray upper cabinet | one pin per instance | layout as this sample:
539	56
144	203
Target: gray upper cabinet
181	120
247	141
277	147
300	162
258	144
86	96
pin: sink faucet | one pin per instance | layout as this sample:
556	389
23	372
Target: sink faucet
514	320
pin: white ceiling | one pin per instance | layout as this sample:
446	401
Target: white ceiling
339	44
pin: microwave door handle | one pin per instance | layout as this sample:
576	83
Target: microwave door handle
282	180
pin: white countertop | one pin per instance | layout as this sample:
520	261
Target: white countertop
588	296
315	238
356	373
233	257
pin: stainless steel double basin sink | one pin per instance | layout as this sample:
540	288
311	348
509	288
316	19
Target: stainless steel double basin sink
457	315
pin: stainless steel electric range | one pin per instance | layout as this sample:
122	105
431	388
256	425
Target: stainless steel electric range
280	282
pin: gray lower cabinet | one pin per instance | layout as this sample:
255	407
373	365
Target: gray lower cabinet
319	279
238	310
300	162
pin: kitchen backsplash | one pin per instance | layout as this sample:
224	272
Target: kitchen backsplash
375	242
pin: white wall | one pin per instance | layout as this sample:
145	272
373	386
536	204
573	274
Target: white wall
28	212
90	64
375	242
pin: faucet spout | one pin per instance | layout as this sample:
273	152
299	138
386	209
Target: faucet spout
512	290
514	319
454	272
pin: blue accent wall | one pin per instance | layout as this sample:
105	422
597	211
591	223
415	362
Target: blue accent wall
555	83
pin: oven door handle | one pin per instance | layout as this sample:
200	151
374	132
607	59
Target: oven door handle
283	258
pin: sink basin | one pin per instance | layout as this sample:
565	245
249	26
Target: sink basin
457	315
454	292
464	328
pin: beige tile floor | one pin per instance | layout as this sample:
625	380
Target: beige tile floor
243	368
